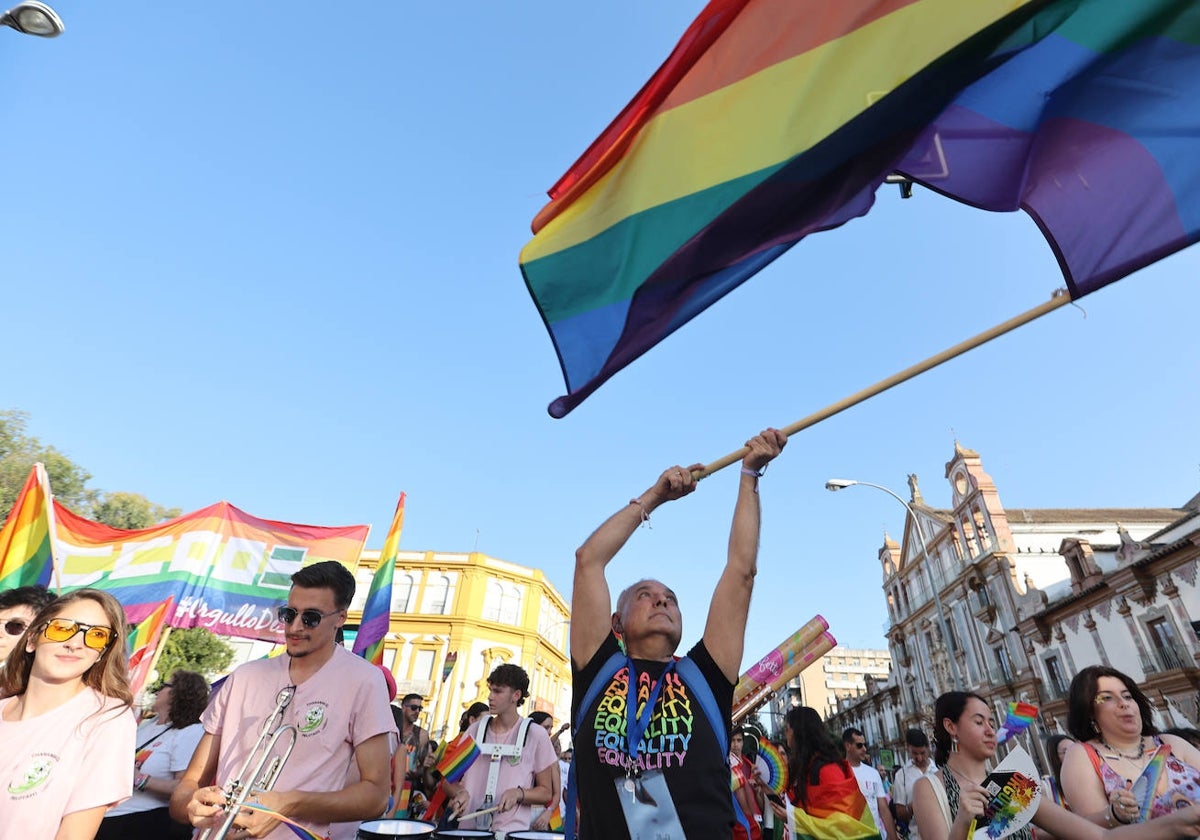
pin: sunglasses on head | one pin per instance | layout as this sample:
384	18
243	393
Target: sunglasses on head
95	636
309	618
14	627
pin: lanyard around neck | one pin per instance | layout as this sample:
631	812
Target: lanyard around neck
637	724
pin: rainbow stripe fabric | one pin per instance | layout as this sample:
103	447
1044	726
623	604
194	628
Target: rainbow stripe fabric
25	551
836	810
458	757
771	119
377	611
1016	720
228	570
1092	126
143	641
772	760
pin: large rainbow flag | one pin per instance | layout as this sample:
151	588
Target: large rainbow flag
834	811
25	544
773	119
377	611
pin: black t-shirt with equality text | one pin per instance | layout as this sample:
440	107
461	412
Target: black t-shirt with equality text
682	785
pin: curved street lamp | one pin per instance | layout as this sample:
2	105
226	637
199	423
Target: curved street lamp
33	18
835	484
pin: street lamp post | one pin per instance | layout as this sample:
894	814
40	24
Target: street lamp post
33	18
835	484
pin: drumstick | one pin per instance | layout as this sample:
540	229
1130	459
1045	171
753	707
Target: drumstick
478	813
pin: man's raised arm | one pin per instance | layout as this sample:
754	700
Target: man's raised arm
591	602
725	632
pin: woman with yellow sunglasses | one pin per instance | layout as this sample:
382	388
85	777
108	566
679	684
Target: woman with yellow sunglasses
66	720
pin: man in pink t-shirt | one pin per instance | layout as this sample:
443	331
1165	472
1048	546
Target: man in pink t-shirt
338	772
502	778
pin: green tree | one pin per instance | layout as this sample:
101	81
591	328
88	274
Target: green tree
19	451
194	649
131	511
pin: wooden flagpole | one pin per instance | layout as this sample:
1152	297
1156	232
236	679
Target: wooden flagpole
1058	299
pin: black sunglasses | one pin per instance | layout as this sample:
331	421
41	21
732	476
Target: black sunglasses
414	708
14	627
862	745
309	618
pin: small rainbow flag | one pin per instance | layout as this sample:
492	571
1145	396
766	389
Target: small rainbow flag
458	757
377	612
556	819
143	642
1018	719
26	547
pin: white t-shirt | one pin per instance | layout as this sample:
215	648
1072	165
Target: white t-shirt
70	759
871	784
537	754
902	790
168	754
342	705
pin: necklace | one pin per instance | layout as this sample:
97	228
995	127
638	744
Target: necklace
961	777
1141	753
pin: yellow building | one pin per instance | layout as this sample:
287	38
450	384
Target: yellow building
469	613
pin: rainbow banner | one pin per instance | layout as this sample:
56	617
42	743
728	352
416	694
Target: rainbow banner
778	659
26	550
770	120
377	611
458	757
226	569
834	811
144	641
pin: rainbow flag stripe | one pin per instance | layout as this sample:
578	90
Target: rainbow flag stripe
144	640
377	611
458	757
25	547
1088	123
771	119
836	810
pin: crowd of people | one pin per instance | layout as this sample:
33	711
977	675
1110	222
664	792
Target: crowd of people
651	754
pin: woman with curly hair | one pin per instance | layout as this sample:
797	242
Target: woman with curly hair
67	721
165	746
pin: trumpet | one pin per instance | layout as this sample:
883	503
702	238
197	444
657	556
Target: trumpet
261	767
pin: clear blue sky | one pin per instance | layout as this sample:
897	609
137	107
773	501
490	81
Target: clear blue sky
268	253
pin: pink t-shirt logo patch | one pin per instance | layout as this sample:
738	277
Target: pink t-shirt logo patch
32	775
314	719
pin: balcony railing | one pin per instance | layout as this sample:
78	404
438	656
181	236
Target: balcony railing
1166	659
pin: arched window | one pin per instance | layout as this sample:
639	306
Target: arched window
437	595
402	593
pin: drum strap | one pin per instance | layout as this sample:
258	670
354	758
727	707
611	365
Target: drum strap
497	752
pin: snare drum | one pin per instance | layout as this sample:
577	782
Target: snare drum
391	829
463	833
535	835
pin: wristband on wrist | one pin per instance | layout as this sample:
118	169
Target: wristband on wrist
755	473
141	781
645	514
521	790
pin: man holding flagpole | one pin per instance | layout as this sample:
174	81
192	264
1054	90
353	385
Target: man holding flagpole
651	742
